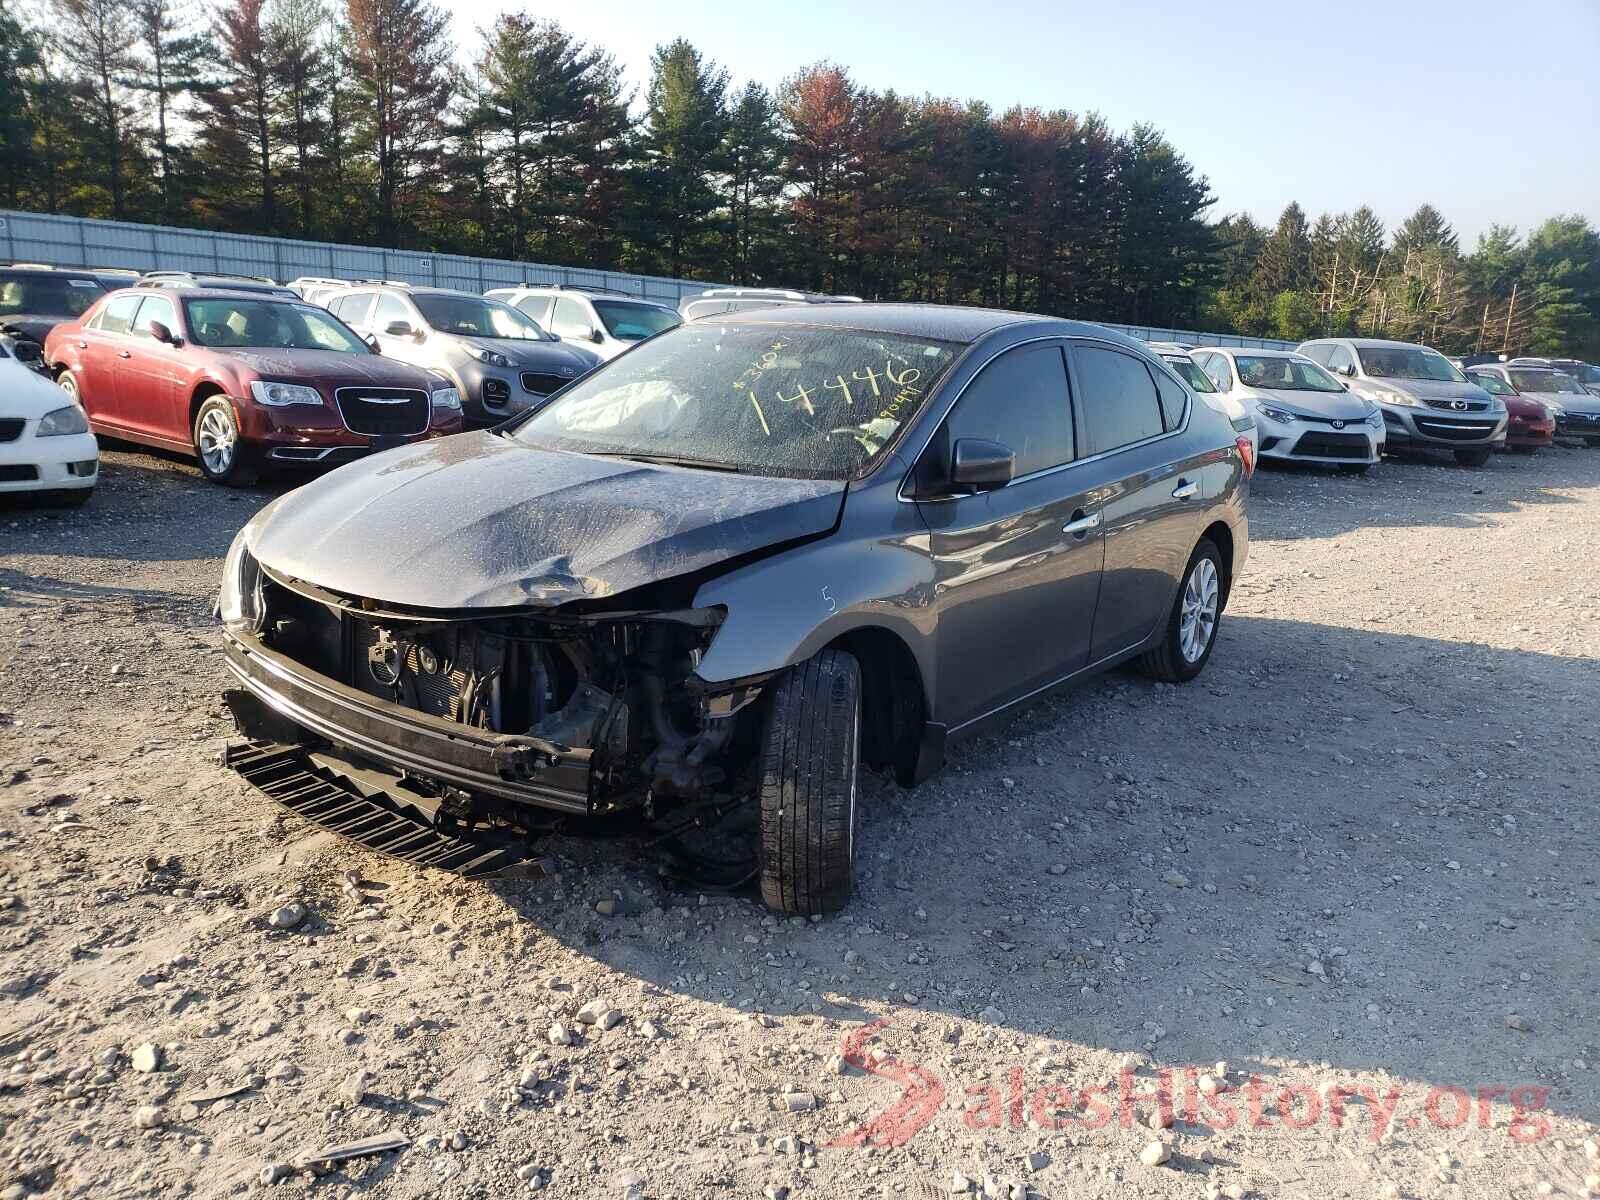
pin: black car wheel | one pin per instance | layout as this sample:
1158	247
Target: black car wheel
1192	626
1474	458
809	750
223	456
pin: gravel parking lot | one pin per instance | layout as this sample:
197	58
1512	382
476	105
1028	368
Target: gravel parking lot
1355	862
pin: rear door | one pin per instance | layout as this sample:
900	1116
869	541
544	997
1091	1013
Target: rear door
1015	589
104	354
148	386
1150	497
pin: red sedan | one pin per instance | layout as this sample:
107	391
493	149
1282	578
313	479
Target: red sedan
243	381
1531	425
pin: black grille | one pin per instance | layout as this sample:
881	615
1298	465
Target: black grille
1454	433
1579	418
1333	445
10	429
18	474
543	385
1458	405
383	412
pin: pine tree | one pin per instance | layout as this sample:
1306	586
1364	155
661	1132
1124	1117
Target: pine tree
171	65
752	153
818	106
1164	244
1284	264
96	39
298	32
1425	229
685	122
238	143
399	62
19	62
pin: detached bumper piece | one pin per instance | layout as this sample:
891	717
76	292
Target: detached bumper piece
358	807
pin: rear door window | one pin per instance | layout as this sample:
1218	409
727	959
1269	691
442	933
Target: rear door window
119	313
353	309
1117	398
1173	399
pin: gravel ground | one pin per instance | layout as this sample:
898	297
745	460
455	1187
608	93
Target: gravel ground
1341	893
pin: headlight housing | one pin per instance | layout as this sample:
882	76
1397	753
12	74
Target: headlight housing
281	395
485	355
1556	410
1273	413
447	398
1398	399
62	421
1375	417
240	604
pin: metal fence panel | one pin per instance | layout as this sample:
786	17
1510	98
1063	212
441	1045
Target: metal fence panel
79	242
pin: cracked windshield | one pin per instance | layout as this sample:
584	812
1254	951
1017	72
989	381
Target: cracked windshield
785	400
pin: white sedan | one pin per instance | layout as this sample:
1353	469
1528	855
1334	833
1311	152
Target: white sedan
1301	412
45	443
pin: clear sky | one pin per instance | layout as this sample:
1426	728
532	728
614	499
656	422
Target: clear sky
1487	109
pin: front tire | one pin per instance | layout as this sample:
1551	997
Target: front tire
810	748
1474	458
222	455
1192	626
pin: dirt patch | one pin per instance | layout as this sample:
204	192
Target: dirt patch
1354	864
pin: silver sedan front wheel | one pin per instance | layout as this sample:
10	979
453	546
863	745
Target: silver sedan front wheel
1201	596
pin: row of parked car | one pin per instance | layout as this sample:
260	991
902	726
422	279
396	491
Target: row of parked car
1346	401
249	374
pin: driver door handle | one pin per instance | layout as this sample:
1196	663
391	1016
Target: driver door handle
1082	525
1185	490
124	353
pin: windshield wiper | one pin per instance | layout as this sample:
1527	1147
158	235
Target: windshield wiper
670	460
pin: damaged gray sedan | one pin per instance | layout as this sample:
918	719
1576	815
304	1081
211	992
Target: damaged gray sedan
720	575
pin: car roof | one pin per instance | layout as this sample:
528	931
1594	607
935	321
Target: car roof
950	323
50	272
1253	351
1374	343
212	293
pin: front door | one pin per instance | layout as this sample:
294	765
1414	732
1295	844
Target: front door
1015	587
148	388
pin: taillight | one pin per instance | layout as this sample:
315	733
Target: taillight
1247	455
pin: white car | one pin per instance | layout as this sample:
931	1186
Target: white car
1181	361
1301	412
45	443
602	322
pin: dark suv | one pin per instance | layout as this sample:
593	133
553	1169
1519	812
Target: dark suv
34	300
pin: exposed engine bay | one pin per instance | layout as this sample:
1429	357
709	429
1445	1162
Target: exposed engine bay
617	685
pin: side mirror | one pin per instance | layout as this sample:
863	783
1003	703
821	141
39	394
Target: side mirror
162	334
1348	370
981	465
400	329
372	343
596	336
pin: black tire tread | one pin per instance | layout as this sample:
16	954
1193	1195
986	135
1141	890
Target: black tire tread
809	753
1165	662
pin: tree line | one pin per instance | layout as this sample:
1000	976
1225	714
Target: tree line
357	121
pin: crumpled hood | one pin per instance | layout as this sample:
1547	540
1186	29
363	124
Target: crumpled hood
547	357
1335	405
481	521
332	367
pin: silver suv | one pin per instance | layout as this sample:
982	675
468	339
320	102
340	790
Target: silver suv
1426	402
594	319
499	360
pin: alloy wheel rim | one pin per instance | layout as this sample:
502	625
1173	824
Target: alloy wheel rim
1199	618
217	438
